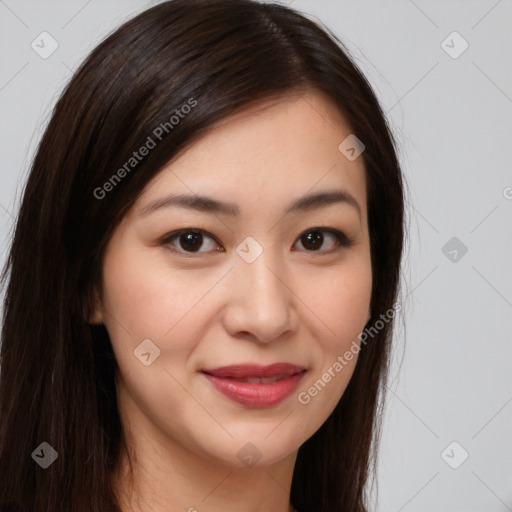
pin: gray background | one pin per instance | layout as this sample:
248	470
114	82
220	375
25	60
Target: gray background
453	121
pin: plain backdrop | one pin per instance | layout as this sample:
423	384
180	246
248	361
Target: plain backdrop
442	72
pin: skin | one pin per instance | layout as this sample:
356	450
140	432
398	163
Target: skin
211	308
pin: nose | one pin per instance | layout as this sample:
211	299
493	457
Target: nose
261	303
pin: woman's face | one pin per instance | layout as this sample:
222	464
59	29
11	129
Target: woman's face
261	279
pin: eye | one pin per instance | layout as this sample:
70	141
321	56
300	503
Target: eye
190	241
314	239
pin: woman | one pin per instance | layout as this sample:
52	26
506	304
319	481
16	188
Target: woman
202	281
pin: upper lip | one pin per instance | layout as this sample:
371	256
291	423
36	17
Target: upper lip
240	371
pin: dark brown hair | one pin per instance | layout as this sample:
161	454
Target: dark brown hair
57	381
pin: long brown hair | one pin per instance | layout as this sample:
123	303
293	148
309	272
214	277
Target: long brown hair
57	381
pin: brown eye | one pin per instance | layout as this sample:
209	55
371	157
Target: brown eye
312	240
190	241
323	240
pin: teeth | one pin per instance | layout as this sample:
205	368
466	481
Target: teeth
262	380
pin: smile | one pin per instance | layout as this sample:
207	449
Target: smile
256	386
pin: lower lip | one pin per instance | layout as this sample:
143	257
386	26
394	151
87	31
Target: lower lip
256	395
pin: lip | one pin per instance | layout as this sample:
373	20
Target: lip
252	394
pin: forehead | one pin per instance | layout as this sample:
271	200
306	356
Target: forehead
268	154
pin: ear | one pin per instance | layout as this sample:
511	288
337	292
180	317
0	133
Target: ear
96	317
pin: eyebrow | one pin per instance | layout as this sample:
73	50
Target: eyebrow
214	206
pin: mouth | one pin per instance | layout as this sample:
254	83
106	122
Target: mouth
256	386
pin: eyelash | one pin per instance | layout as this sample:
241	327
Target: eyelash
342	240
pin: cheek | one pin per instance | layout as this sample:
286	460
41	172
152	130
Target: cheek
340	299
136	298
144	298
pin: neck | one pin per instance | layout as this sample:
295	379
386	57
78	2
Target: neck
164	472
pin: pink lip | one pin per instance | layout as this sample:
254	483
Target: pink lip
256	394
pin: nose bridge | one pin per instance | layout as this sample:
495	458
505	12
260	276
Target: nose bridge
260	297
